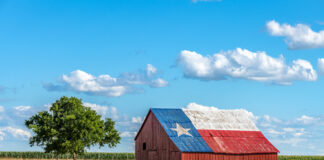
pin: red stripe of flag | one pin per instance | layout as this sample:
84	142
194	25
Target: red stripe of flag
237	142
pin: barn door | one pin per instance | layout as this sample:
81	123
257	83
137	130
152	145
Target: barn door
152	155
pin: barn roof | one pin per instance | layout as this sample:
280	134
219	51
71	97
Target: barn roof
169	118
222	131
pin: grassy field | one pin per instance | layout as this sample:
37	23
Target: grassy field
108	156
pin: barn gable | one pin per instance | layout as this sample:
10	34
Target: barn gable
153	143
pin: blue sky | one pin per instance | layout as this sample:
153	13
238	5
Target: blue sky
123	57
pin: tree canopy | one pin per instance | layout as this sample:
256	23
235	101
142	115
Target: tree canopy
71	127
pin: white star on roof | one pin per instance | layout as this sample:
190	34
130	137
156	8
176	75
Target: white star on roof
180	130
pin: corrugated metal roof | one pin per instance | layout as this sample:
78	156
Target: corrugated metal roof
190	142
221	119
183	132
237	142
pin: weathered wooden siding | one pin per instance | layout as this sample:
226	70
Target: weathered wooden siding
158	145
213	156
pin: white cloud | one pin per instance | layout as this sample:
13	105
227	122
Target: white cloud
114	113
16	132
98	108
2	109
137	120
300	36
293	134
150	70
111	112
295	131
105	85
2	134
84	82
195	106
244	64
128	134
268	121
273	132
320	66
22	108
23	111
158	83
307	119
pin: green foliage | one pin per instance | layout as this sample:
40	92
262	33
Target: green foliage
93	155
300	157
70	127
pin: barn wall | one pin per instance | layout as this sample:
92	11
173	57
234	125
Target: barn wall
213	156
158	145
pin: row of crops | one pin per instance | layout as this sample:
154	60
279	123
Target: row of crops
90	155
300	157
111	156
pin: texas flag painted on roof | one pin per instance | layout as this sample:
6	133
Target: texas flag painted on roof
219	131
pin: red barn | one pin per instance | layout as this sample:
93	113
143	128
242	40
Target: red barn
183	134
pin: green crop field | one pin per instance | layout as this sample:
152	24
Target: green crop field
90	155
300	157
110	156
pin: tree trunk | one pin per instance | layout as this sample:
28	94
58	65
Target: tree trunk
74	156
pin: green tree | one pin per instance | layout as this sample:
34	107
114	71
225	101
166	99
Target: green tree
70	127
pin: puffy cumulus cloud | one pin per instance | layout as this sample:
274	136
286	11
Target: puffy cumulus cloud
81	81
127	126
111	112
105	85
158	83
244	64
300	36
98	108
15	132
137	119
150	70
195	106
320	66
